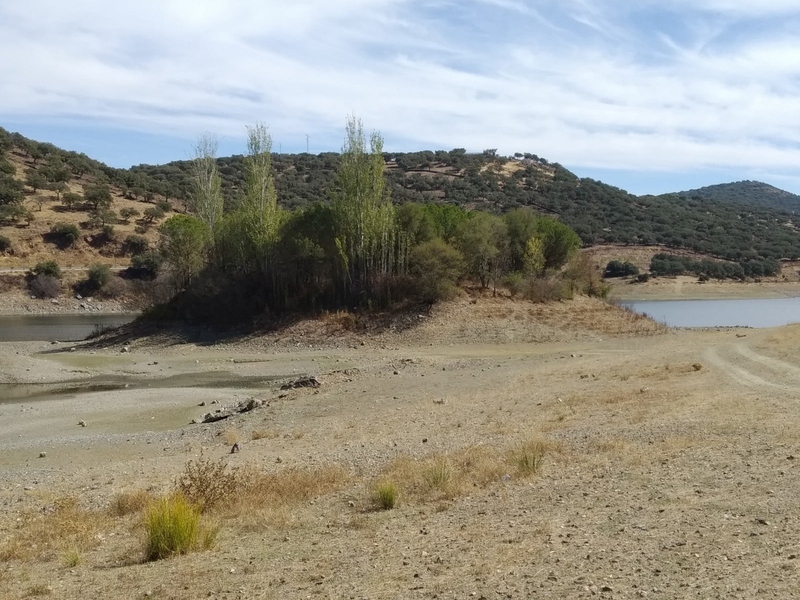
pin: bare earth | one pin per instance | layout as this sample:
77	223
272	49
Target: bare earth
670	470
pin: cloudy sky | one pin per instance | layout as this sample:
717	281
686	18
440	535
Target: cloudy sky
648	95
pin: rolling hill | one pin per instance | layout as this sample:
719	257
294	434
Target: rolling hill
742	221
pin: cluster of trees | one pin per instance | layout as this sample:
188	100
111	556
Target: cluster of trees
617	268
358	249
668	264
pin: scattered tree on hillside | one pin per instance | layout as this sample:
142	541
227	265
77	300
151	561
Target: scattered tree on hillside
98	195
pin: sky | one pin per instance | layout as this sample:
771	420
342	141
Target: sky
648	95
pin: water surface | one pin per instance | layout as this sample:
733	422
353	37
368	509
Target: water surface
50	328
761	312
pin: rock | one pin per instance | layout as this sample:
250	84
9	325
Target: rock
125	349
42	454
54	301
203	403
303	382
644	390
440	401
235	448
82	423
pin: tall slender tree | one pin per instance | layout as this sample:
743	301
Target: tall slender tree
363	214
206	192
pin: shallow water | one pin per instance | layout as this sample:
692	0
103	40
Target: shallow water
65	328
757	313
13	392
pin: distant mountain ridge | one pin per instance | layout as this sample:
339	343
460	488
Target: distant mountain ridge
741	221
753	193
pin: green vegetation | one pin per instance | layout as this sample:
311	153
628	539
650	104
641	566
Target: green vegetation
748	193
5	243
47	267
668	264
172	526
64	234
385	494
616	268
98	276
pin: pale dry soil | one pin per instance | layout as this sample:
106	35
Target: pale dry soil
670	471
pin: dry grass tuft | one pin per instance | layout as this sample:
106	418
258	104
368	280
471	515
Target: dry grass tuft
126	503
529	456
263	434
46	534
230	436
206	483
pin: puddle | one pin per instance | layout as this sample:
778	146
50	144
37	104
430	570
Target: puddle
14	392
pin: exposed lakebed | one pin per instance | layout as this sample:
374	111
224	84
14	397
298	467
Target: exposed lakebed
58	327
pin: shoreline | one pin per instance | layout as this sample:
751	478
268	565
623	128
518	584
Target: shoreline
689	288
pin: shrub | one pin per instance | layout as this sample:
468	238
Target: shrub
172	527
643	278
206	483
135	244
164	206
153	214
145	265
45	286
5	243
546	289
64	234
616	268
516	283
385	495
438	266
115	288
47	267
99	275
71	200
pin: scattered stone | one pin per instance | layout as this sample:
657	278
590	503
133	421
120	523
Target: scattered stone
303	382
440	401
82	423
203	403
741	335
42	454
278	460
54	301
125	349
644	390
697	366
235	448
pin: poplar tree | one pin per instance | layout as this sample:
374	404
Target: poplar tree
363	214
206	194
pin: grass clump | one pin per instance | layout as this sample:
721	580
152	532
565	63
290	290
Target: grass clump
529	456
385	495
439	474
72	558
172	526
126	503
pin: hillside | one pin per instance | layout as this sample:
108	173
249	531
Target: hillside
738	227
751	193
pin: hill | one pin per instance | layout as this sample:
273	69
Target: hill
750	193
737	227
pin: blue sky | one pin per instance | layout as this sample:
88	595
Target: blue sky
648	95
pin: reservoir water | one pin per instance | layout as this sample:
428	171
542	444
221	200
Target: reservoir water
772	312
64	328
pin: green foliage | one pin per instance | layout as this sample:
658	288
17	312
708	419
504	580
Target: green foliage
184	241
616	268
135	244
206	184
437	267
145	265
5	243
98	196
172	526
385	495
71	200
559	242
98	276
128	213
747	193
47	267
35	180
363	215
669	264
11	213
483	240
64	234
103	216
153	214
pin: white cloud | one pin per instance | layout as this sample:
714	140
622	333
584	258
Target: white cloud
588	83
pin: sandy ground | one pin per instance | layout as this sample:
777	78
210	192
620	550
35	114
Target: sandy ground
670	470
689	288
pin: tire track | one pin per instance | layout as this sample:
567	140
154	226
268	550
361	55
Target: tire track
736	372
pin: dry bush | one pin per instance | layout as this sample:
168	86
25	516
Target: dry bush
542	290
230	436
210	486
45	286
206	483
529	456
114	288
43	535
126	503
263	434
